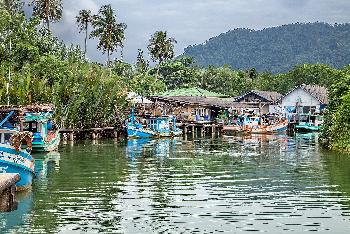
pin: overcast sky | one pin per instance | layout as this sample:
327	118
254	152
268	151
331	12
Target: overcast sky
194	21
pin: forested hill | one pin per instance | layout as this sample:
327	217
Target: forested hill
276	49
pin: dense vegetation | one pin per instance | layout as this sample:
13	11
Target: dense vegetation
182	73
276	49
41	69
336	135
36	67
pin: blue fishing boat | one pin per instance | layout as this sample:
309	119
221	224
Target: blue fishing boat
14	159
45	137
152	127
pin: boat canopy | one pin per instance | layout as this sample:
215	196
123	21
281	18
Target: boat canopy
42	117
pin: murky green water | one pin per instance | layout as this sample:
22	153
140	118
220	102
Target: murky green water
272	184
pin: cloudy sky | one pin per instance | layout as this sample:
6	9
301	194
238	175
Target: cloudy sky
194	21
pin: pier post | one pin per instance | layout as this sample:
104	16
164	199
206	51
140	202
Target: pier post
115	133
213	130
93	135
8	191
193	131
64	136
71	136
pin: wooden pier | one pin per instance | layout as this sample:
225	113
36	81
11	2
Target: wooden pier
200	128
8	191
193	127
92	133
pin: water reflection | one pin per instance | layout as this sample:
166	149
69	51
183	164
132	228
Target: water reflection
44	164
150	147
266	183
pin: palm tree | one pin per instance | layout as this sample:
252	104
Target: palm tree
12	6
108	30
161	48
84	18
48	10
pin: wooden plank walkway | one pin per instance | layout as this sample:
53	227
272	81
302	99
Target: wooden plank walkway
8	191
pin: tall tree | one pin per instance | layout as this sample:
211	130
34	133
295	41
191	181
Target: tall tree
141	64
161	48
48	10
111	34
12	6
84	18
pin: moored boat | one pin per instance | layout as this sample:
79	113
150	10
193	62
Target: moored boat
309	123
152	127
254	125
14	159
37	119
45	137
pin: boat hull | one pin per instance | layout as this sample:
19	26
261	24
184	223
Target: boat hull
148	133
21	162
49	145
305	128
232	128
257	129
280	127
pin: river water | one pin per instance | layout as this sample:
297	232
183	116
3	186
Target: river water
232	184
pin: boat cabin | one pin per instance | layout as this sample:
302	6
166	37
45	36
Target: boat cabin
39	124
160	124
5	136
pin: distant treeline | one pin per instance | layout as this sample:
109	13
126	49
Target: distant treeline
276	49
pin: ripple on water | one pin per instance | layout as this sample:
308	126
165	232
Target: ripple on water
271	184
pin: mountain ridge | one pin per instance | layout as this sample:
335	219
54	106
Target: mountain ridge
276	49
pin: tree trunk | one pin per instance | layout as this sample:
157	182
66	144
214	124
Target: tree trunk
160	62
108	60
86	35
47	15
121	53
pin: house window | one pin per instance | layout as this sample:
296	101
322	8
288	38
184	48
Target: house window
306	109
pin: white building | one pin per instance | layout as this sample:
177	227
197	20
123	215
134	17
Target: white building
305	99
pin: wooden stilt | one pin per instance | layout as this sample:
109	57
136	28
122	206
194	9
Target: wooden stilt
71	136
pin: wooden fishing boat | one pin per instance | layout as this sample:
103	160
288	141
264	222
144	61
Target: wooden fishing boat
14	159
251	125
309	123
152	127
36	119
281	126
45	137
233	128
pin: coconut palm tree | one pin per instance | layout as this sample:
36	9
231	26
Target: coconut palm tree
48	10
161	48
110	33
84	18
12	6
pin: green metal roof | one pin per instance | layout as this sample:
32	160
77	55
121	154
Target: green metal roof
196	92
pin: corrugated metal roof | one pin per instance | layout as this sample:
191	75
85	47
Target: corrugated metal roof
269	96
